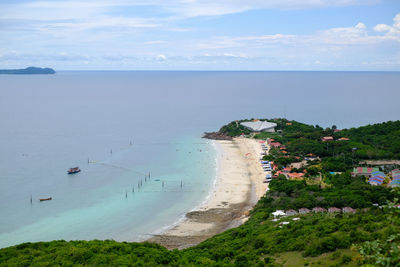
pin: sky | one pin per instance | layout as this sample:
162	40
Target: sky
352	35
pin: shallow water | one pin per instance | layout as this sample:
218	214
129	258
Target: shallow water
51	123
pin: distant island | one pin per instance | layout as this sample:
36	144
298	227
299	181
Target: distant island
29	70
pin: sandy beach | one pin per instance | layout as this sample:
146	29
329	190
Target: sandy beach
238	187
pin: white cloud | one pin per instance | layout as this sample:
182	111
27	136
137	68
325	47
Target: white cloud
88	31
161	57
390	30
382	28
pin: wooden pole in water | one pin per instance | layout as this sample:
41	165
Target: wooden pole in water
111	151
126	194
31	199
133	189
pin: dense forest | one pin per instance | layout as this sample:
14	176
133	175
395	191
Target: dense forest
370	236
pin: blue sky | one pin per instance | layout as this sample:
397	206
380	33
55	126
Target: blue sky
201	34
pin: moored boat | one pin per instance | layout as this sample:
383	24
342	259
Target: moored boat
45	199
74	170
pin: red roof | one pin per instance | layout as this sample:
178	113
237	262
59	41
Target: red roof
275	144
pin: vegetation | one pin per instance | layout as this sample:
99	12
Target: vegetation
29	70
260	241
369	236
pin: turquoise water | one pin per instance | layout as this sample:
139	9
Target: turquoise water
51	123
105	202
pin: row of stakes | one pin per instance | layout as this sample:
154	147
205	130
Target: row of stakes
146	178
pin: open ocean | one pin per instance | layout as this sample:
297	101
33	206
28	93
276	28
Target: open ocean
128	124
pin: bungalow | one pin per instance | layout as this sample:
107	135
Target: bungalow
288	123
291	212
275	144
333	210
327	138
278	213
343	139
295	175
318	209
304	211
364	171
287	170
348	210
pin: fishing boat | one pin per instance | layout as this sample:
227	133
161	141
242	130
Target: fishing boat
74	170
45	199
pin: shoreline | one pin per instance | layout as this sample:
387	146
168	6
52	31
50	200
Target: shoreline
237	188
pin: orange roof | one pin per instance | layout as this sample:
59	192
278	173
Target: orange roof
295	175
327	138
288	123
343	139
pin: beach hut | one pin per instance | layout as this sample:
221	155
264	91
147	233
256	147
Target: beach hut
318	209
304	211
333	210
348	210
278	213
291	212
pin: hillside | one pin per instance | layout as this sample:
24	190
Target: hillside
362	226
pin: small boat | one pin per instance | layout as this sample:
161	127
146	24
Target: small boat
45	199
74	170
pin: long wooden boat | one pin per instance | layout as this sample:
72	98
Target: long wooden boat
45	199
74	170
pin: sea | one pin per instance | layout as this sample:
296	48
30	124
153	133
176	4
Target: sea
137	138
